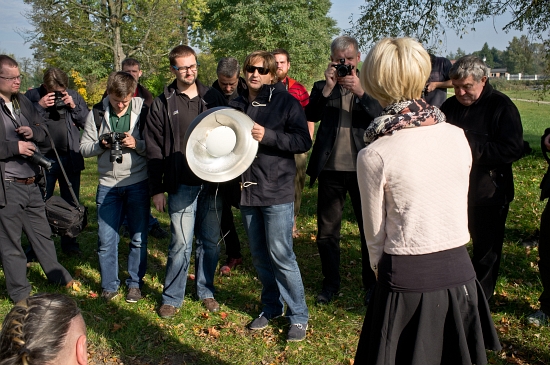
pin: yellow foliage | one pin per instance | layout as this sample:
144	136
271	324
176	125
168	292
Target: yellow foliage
80	84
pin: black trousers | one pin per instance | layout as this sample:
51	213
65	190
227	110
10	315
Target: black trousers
25	211
544	259
331	195
231	239
486	225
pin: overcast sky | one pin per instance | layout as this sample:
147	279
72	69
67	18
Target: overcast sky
11	19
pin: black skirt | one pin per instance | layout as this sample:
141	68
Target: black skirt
448	326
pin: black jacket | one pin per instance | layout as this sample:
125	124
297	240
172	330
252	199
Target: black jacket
11	148
241	87
365	109
167	165
76	120
492	125
286	134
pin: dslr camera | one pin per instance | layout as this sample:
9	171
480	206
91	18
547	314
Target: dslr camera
342	70
58	99
114	139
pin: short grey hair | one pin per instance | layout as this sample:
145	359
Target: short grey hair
342	43
228	67
469	66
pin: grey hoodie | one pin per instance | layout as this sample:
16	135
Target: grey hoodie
133	168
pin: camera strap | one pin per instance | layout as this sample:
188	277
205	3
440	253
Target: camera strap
75	200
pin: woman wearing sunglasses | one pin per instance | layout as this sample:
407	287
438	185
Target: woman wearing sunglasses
267	194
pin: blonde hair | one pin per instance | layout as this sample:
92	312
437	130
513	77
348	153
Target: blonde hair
396	69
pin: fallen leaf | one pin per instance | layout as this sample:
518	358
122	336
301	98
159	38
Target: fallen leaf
191	276
77	273
213	332
92	294
223	315
116	327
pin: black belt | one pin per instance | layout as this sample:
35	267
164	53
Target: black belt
26	181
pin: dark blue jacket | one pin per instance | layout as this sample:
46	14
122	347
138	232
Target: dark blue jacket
365	109
76	120
286	134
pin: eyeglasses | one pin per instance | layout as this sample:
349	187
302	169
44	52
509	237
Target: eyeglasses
184	69
12	79
261	70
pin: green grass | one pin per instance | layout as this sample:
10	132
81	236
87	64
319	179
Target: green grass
133	333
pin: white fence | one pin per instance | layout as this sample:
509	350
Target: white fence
525	77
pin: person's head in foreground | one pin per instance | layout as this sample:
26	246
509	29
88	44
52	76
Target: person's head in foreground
395	70
44	329
469	75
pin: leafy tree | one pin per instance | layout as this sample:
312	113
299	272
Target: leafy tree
429	20
94	36
302	27
487	54
519	56
455	56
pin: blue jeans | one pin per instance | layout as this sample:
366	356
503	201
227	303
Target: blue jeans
192	211
269	231
112	204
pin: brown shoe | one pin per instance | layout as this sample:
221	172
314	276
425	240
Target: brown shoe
167	311
211	304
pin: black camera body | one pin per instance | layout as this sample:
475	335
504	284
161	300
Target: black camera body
58	99
114	139
342	70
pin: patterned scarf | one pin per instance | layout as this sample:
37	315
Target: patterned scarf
404	114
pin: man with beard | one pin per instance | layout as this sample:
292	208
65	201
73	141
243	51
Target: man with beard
300	93
192	206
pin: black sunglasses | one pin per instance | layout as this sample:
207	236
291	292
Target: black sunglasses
261	70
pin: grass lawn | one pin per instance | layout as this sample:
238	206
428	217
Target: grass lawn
119	332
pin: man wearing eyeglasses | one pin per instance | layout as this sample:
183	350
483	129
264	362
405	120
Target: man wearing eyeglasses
192	207
345	111
21	204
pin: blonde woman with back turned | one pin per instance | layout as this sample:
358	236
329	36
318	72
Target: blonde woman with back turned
427	306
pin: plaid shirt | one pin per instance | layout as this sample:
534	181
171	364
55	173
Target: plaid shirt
297	90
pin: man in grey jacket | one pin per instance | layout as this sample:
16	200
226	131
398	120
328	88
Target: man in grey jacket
123	186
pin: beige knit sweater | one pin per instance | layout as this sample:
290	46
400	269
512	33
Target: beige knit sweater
414	189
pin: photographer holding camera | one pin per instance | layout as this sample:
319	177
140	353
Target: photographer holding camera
123	188
345	111
21	203
65	112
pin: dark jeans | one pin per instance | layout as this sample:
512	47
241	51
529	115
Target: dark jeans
544	259
25	211
231	238
331	195
55	174
486	225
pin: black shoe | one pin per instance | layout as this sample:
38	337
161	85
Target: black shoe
157	232
259	323
109	295
73	252
134	294
324	297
